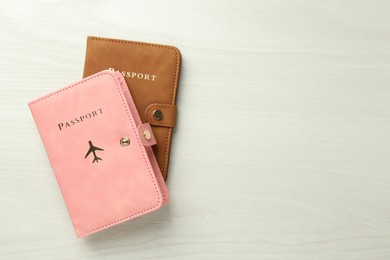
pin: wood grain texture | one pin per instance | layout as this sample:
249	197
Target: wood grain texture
282	148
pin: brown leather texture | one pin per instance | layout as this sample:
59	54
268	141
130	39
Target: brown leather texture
152	75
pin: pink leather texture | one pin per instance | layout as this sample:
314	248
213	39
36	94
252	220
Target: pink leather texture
103	181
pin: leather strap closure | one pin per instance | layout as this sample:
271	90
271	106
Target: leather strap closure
161	115
146	135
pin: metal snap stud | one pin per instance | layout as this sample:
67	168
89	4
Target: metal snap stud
147	134
125	141
158	114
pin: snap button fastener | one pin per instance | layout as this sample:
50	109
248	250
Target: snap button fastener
158	114
147	134
125	141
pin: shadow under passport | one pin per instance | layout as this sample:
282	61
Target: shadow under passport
146	227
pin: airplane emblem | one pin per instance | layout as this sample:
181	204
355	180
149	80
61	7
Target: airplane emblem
93	149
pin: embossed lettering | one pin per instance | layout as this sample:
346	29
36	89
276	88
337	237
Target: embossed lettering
79	119
136	75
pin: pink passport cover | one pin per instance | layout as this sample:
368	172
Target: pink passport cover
101	188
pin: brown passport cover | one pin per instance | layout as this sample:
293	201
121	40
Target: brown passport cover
152	74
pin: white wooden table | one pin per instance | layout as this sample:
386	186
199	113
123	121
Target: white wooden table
282	148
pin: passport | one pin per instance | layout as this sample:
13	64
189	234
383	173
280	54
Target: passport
152	74
100	151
